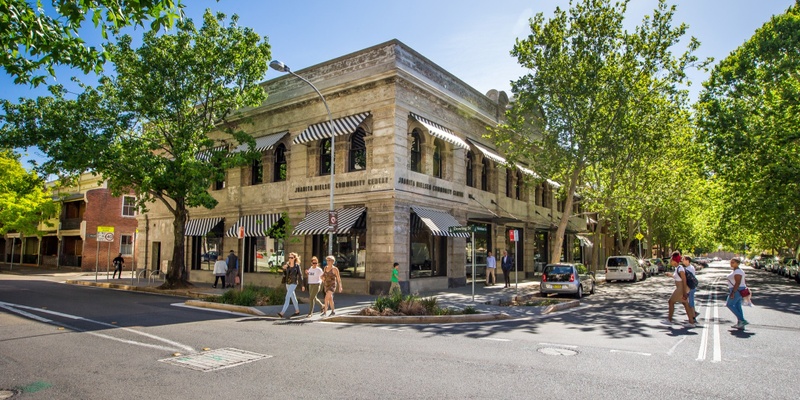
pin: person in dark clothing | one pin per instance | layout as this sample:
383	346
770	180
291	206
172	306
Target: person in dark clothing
119	262
507	263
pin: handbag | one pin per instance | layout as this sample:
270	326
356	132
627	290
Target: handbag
745	292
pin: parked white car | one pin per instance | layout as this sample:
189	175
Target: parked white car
623	268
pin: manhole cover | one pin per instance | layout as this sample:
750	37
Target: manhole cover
7	394
554	351
214	360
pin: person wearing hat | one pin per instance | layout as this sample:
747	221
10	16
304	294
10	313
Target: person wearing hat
681	292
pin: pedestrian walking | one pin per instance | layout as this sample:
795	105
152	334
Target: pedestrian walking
506	263
314	279
395	285
233	268
738	289
491	269
293	276
331	280
119	262
681	292
687	264
220	269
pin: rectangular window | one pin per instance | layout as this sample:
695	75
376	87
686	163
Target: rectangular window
126	245
128	206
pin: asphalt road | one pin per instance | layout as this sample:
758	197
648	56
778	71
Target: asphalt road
73	342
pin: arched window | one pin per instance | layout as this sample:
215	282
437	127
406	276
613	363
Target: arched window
325	157
256	172
518	187
416	152
485	174
547	200
470	158
437	158
280	164
509	182
358	151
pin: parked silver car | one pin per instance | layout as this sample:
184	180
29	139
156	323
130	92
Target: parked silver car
565	279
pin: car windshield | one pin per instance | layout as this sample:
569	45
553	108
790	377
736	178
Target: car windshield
557	273
617	262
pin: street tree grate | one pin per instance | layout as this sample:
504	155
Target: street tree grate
214	360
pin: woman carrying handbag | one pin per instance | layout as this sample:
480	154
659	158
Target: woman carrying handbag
293	276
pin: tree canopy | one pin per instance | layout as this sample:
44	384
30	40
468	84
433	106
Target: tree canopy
34	39
24	200
161	126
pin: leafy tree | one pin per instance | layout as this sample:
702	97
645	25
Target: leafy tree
747	118
157	125
591	95
24	200
34	40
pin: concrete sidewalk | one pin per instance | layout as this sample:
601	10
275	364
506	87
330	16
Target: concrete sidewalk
486	298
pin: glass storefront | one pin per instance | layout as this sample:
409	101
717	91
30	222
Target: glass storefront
482	245
541	254
350	251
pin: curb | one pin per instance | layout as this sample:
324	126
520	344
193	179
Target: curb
134	288
417	319
225	307
561	306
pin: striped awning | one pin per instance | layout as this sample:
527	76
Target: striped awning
316	222
201	226
254	225
584	240
489	154
535	175
263	143
205	155
440	132
322	130
437	221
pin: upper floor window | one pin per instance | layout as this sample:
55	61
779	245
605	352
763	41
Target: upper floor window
416	152
547	197
518	186
279	174
128	206
358	151
325	157
437	158
485	174
470	164
509	183
257	172
538	195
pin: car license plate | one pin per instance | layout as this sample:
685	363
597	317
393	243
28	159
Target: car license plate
556	286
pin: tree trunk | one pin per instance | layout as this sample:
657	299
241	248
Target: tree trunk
177	276
555	255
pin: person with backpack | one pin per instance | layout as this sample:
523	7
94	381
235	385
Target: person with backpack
691	281
681	292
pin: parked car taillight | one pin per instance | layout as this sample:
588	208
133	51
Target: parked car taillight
630	270
544	278
572	277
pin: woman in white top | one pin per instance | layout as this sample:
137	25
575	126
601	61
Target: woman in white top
681	292
736	284
314	274
220	269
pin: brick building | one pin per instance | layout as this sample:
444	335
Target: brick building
410	162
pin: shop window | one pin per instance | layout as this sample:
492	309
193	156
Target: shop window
358	151
256	172
350	251
128	206
415	163
325	157
438	148
541	254
470	167
427	253
126	245
279	170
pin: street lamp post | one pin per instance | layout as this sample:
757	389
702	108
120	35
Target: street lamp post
281	67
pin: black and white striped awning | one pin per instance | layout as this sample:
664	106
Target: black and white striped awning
322	130
535	175
316	222
584	240
488	153
206	155
437	221
254	225
440	132
201	226
263	143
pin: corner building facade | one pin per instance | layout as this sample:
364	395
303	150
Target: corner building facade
410	162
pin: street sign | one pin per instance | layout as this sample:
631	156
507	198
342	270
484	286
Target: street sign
513	235
467	229
105	229
639	236
333	221
105	236
241	232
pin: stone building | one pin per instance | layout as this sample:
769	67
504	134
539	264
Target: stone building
70	240
410	162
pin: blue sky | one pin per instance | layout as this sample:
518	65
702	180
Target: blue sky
469	38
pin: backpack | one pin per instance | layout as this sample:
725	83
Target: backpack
691	280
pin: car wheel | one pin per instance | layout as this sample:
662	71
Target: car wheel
580	292
591	291
635	278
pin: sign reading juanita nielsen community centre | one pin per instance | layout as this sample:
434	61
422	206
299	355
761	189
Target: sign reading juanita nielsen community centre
343	184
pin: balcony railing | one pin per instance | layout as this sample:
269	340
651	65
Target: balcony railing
71	224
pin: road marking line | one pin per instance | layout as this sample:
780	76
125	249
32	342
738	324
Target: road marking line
701	353
717	344
631	352
559	345
15	308
495	339
672	350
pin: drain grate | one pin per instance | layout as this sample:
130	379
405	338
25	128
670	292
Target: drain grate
215	360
